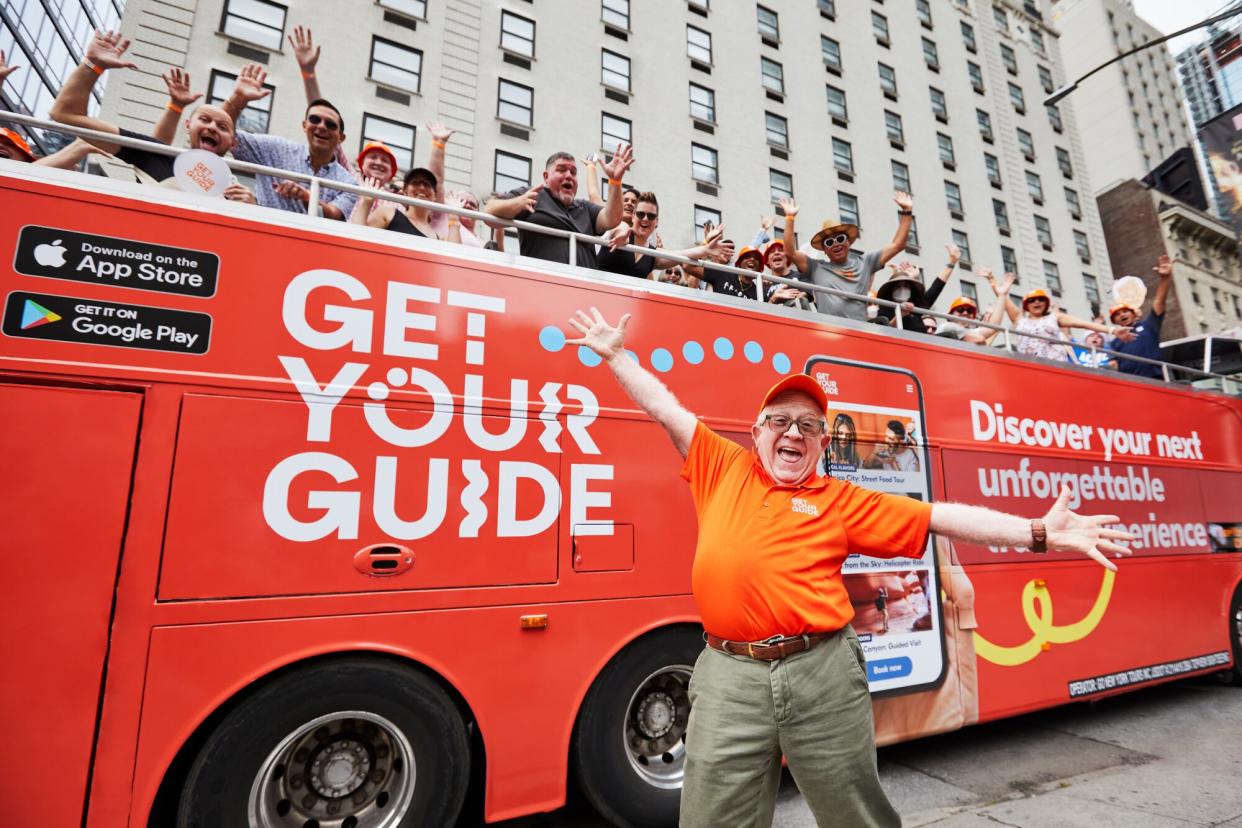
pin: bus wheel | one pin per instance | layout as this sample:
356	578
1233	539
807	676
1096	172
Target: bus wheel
351	743
1234	674
630	741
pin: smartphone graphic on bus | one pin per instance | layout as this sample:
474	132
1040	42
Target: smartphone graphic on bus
878	440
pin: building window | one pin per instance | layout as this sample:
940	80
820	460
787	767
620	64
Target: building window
702	103
976	76
768	24
616	13
923	9
847	207
993	168
953	197
968	37
828	8
1045	79
512	171
1026	144
516	103
396	136
1009	59
773	76
1092	288
1035	187
614	131
780	185
778	130
1081	245
704	217
940	108
969	290
901	177
254	21
1054	117
396	65
1037	40
615	70
892	125
1063	161
1016	98
963	244
1001	212
703	164
701	6
1052	275
256	116
1194	292
1071	199
1001	18
930	56
836	104
698	45
912	240
831	51
945	143
1043	232
1009	260
517	34
879	25
985	125
888	80
842	156
410	8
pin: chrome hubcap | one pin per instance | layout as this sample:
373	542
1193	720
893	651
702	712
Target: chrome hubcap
654	734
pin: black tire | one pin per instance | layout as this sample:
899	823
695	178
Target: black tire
344	722
1234	674
630	770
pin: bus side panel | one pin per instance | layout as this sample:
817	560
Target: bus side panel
525	718
68	454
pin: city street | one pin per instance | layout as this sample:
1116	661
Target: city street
1165	756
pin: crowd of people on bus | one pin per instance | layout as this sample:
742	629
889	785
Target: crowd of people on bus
621	214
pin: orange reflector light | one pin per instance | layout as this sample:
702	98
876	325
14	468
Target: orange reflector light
1046	646
534	622
1040	583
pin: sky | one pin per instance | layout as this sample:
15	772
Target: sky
1171	15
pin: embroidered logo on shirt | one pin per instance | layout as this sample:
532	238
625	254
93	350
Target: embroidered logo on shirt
797	504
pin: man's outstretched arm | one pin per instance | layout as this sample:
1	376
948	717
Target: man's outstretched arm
647	392
1067	532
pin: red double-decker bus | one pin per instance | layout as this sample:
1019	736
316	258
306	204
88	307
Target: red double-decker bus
309	524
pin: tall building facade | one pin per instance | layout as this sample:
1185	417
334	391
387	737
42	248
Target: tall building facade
1212	72
729	106
1130	115
46	38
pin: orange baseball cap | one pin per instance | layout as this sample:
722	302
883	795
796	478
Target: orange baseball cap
961	302
770	246
1037	293
797	382
1117	308
382	149
747	251
17	141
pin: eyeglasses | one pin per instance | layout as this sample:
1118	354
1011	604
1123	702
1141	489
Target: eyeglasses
328	124
839	238
643	215
964	311
807	426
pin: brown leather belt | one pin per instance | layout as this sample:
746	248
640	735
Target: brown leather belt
770	649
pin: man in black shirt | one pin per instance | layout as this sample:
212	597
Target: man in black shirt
554	203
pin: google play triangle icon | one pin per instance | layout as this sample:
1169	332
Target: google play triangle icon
34	315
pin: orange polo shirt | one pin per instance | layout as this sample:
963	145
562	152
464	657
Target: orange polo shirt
769	556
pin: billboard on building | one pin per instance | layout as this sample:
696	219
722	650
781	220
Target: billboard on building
1221	139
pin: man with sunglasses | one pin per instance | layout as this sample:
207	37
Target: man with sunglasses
783	673
325	130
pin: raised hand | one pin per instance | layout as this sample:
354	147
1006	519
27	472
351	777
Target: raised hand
1070	532
766	222
439	132
178	82
589	160
621	161
530	198
5	69
789	207
1006	284
305	52
955	253
602	338
107	50
1163	268
249	85
712	233
904	201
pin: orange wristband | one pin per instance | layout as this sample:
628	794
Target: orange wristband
616	182
87	63
439	144
173	107
308	75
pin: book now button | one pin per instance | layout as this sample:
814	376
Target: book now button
889	668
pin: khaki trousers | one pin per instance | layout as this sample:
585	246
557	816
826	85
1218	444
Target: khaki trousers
813	708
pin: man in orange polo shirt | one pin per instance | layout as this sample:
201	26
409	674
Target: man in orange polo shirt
783	672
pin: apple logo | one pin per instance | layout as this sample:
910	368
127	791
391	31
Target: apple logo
50	255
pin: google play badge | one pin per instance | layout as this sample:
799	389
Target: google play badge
34	315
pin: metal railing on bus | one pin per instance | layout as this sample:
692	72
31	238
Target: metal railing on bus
317	184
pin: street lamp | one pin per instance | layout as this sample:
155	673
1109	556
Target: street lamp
1070	87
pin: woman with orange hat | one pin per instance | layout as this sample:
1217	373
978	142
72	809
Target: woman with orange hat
1038	316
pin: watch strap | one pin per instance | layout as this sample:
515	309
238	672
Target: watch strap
1039	536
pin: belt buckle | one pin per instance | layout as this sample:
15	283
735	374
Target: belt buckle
770	641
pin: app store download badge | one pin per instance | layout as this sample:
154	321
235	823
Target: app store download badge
92	322
105	260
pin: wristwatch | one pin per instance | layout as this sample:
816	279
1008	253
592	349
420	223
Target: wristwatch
905	212
1039	536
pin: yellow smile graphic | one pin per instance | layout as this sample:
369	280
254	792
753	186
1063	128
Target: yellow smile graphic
1037	610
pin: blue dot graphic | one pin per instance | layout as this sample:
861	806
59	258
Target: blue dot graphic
588	357
661	360
633	356
753	351
693	352
781	363
723	348
552	338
